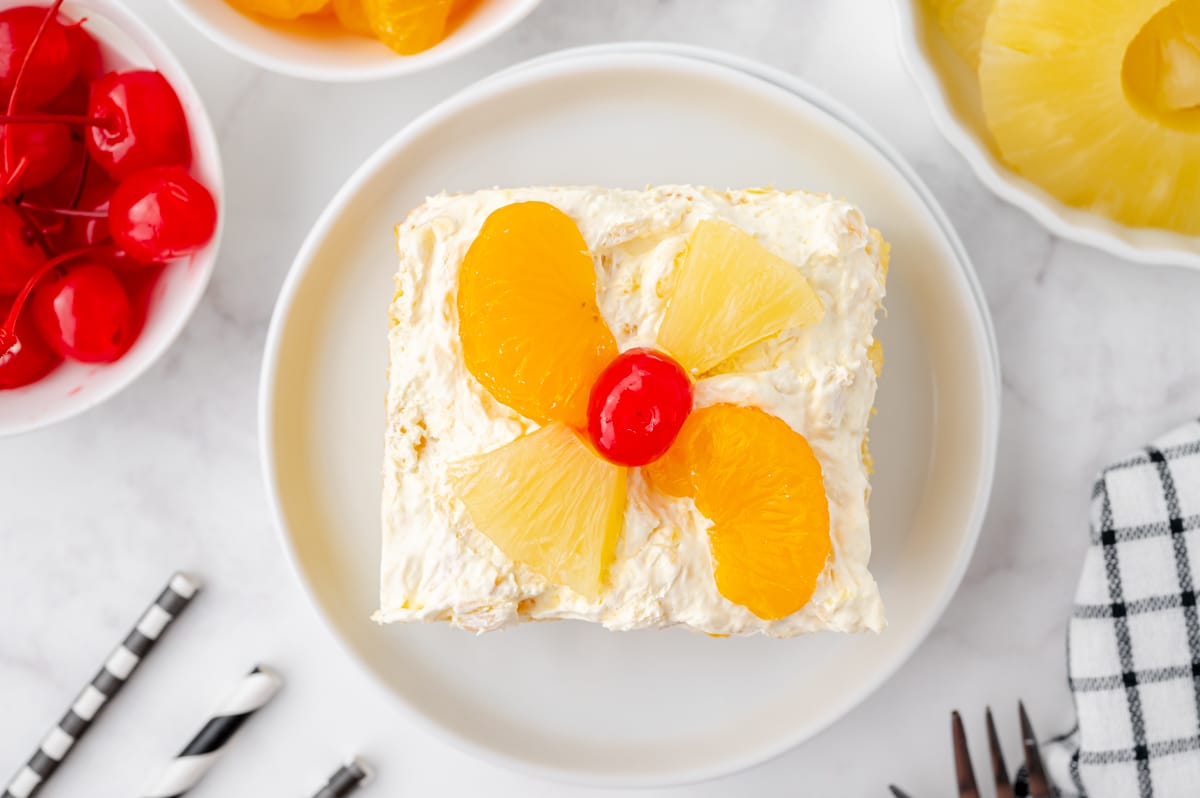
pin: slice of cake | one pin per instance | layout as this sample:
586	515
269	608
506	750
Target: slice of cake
639	408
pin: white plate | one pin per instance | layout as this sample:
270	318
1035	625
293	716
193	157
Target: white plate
568	700
952	93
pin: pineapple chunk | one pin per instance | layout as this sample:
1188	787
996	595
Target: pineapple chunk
731	292
1162	65
548	501
1068	90
963	22
1179	86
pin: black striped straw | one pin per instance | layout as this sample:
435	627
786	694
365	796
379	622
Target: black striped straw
254	692
108	682
347	779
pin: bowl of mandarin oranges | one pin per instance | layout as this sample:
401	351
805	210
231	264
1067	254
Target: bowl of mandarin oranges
110	205
352	40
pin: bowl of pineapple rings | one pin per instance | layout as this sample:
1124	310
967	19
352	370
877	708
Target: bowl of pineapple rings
352	40
1086	115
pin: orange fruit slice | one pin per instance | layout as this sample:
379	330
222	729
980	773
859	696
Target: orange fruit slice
408	26
730	292
280	9
352	16
760	484
529	324
548	501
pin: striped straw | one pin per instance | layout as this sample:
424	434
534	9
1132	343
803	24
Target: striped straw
185	771
108	682
347	779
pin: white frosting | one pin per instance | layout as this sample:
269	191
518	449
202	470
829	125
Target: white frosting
819	379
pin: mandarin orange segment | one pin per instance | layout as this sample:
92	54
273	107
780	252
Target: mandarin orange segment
530	327
280	9
548	501
760	484
408	26
731	292
352	15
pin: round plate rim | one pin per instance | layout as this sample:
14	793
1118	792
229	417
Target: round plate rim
542	66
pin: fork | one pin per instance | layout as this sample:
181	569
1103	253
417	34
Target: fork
1039	785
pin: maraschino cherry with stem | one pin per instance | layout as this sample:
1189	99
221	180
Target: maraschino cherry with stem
31	361
20	250
9	340
82	247
30	35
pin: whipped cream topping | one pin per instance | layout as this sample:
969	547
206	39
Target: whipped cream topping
819	379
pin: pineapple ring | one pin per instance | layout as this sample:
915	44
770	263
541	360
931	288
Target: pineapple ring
1055	77
532	335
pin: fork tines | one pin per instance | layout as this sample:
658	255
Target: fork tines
964	771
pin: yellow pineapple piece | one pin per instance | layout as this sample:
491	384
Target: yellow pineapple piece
731	292
1162	66
549	501
408	26
963	22
1069	90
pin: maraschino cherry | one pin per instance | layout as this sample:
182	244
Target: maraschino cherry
85	314
144	125
42	149
20	251
52	52
637	407
161	214
29	362
93	190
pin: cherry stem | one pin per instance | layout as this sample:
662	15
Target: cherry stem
64	211
9	328
51	13
58	119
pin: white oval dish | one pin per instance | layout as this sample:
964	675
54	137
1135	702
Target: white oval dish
317	51
571	701
951	91
73	387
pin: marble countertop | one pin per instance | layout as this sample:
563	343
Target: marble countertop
1098	356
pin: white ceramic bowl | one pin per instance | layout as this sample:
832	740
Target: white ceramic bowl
318	51
75	387
572	701
952	92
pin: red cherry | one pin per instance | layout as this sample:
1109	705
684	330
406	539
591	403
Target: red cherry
145	125
20	251
161	214
31	361
87	50
86	222
54	61
44	148
637	407
73	101
85	314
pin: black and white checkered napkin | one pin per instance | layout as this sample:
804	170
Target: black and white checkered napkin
1134	637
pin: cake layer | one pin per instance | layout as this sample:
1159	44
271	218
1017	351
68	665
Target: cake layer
819	379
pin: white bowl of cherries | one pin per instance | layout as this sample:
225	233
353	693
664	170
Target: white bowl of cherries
110	205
